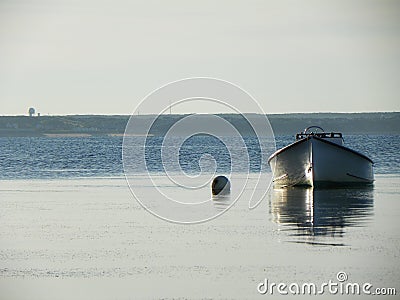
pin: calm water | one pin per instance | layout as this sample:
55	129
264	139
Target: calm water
70	228
88	239
101	156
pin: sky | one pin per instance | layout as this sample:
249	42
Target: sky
104	57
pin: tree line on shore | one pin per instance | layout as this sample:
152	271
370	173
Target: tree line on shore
358	123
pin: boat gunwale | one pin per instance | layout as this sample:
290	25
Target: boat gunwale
286	147
276	153
344	148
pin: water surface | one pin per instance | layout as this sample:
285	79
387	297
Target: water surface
70	228
37	157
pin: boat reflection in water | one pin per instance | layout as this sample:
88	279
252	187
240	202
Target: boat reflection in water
309	214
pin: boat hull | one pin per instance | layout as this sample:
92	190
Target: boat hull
314	161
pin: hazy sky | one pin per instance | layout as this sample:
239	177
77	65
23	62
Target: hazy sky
103	57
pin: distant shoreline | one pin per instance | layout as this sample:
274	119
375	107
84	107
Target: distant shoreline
114	125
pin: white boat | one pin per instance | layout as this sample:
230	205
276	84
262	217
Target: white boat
318	158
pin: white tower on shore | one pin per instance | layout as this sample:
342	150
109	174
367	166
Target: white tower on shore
31	111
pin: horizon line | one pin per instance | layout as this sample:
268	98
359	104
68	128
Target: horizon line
183	114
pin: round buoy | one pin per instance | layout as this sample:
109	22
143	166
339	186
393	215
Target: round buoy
220	186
